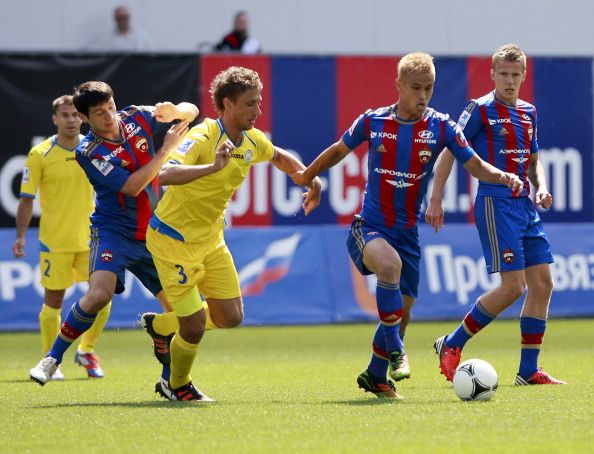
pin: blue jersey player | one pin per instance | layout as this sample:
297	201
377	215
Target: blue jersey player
119	159
502	129
404	142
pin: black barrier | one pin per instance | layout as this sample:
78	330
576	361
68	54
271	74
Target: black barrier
30	82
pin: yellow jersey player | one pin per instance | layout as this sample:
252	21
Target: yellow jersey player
185	235
67	201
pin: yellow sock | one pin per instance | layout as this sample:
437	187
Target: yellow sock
50	320
165	324
182	357
90	336
209	323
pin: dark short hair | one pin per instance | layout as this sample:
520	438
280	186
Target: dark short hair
231	83
90	94
64	100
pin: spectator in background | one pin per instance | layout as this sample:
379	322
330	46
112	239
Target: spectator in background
123	38
239	40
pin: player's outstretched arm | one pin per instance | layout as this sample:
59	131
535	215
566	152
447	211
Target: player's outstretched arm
486	172
326	159
166	112
434	215
285	161
173	174
24	215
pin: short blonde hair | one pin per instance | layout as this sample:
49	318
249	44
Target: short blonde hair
509	52
416	63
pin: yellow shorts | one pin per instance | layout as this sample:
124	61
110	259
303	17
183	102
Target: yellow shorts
60	270
187	269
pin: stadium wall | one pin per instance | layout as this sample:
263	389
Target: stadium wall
308	103
303	275
455	27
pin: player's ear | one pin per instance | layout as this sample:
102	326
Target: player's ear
492	74
54	120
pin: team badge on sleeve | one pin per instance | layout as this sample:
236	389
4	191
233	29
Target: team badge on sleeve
102	166
185	146
26	175
465	116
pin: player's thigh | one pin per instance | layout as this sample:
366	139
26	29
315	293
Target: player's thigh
56	269
81	266
109	252
537	248
179	271
500	225
220	280
409	250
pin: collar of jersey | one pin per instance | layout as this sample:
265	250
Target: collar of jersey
223	132
403	121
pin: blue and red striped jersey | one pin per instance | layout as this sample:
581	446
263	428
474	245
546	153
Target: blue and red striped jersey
400	160
504	136
108	165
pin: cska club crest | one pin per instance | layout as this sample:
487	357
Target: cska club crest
141	144
425	156
106	256
508	256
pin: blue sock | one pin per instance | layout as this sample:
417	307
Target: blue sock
389	306
76	323
378	366
532	330
474	321
166	373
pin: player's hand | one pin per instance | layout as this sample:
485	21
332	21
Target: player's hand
165	112
434	215
511	180
223	155
18	248
311	198
299	178
174	136
543	198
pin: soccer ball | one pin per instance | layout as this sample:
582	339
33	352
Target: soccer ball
475	379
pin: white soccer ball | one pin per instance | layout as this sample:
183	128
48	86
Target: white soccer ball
475	379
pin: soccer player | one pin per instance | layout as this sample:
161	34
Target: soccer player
503	130
120	161
404	142
66	199
186	236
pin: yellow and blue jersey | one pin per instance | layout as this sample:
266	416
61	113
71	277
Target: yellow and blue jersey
65	195
194	211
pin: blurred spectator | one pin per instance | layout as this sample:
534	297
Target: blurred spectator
123	38
239	40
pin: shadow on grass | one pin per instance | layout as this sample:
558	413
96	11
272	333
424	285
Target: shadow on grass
152	404
29	380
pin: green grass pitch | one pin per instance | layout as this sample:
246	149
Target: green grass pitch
293	390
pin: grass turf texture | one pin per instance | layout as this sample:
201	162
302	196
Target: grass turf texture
292	389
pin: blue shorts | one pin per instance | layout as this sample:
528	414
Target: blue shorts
111	251
404	241
511	233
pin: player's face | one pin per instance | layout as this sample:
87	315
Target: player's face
415	91
508	77
243	112
102	119
67	121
